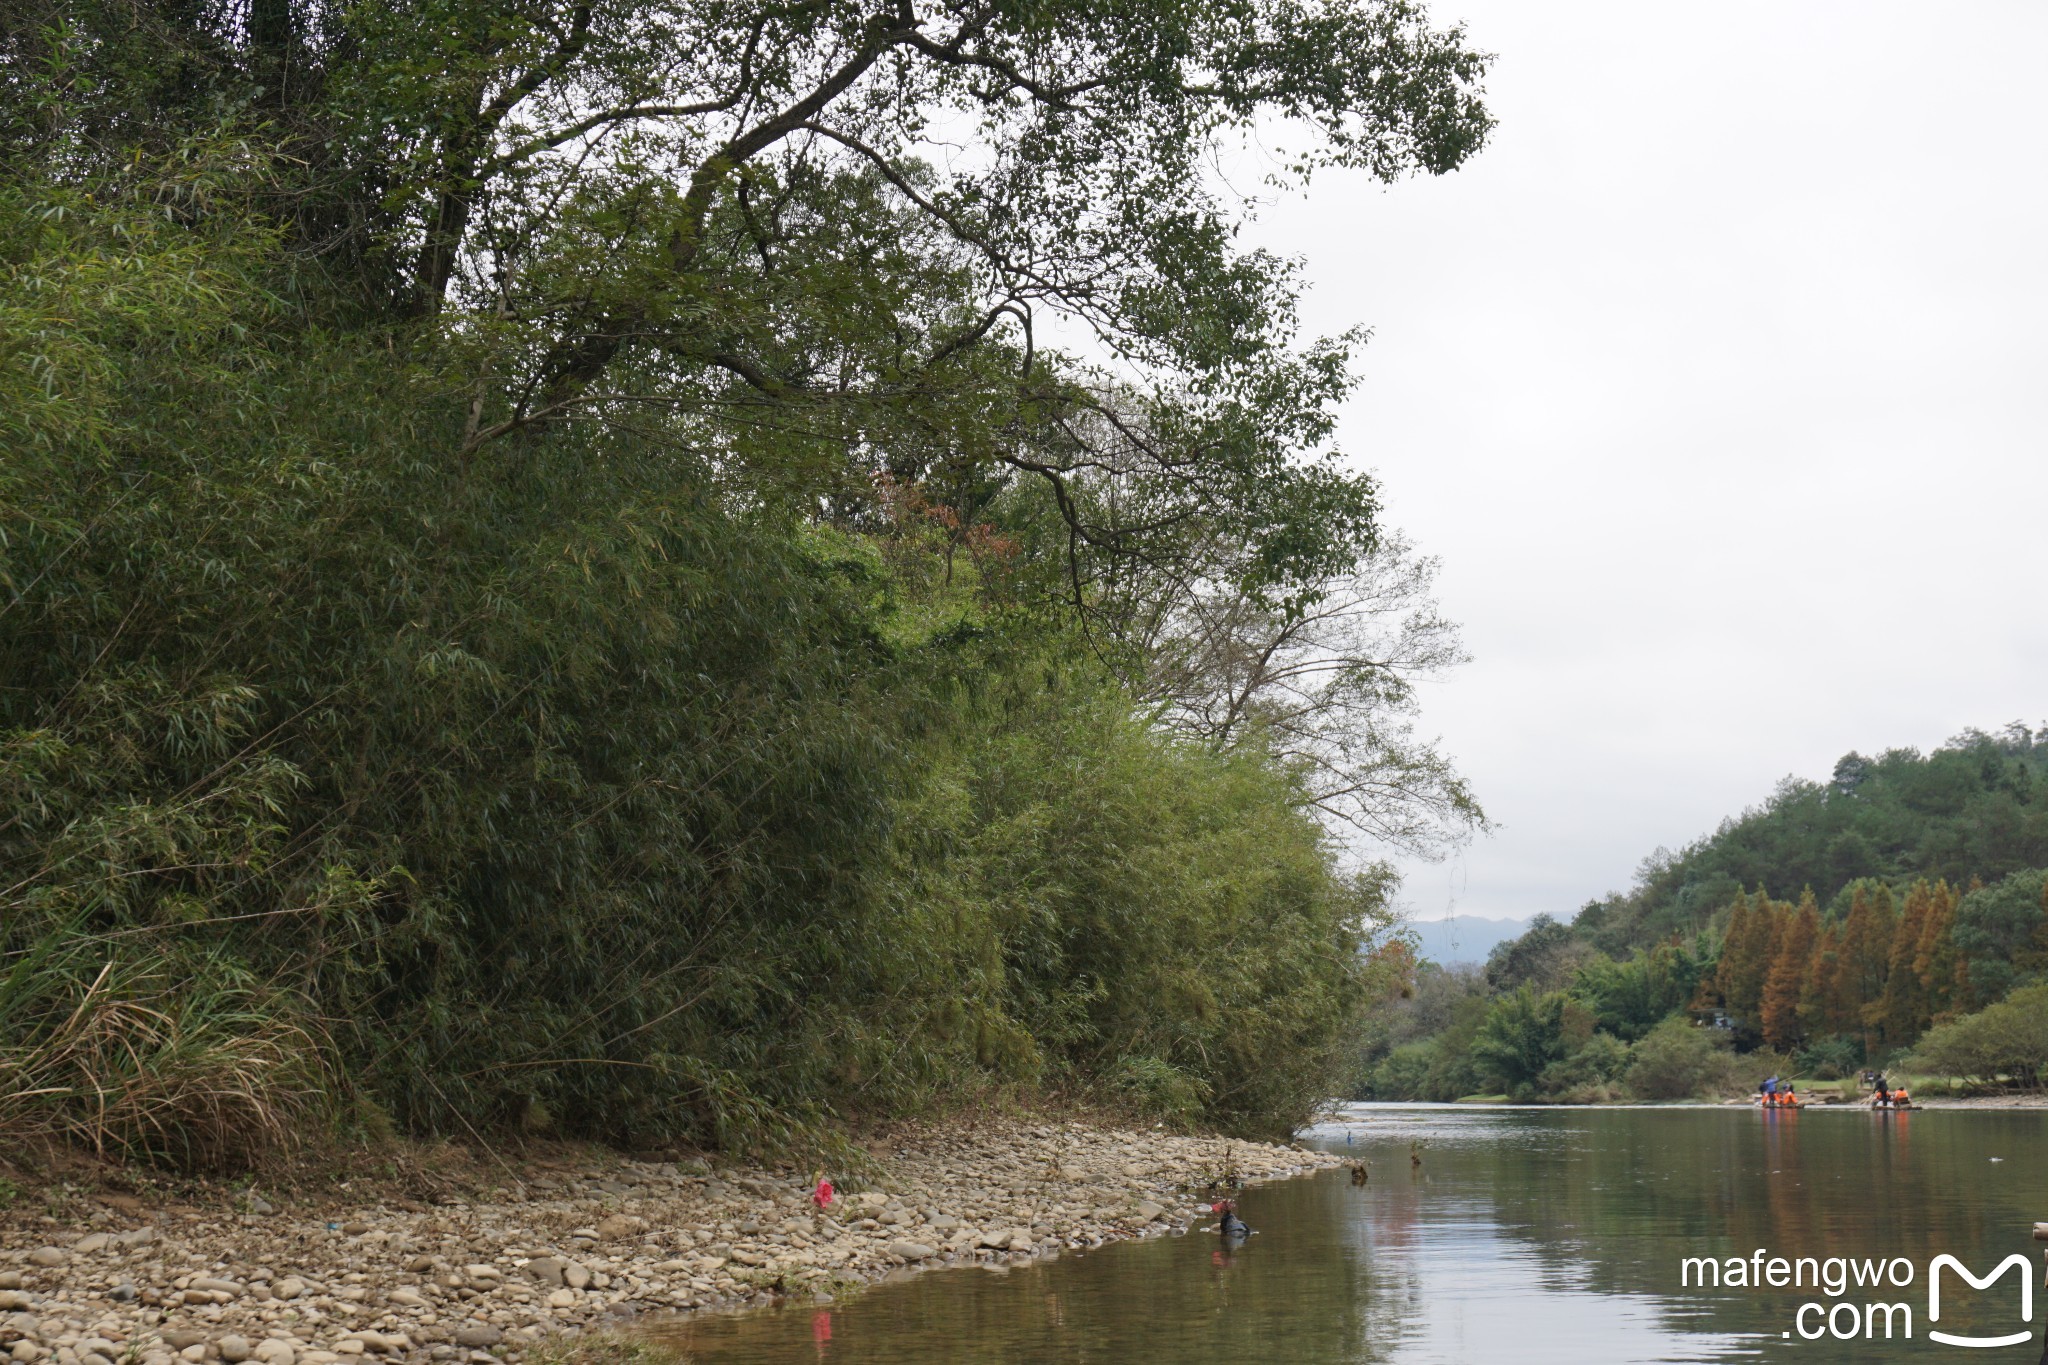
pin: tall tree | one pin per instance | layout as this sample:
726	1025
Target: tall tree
1941	970
750	217
1791	965
1746	956
1820	998
1905	993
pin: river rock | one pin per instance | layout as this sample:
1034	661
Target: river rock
912	1251
407	1298
178	1338
274	1352
477	1336
15	1300
48	1256
620	1225
1148	1211
233	1348
91	1242
546	1271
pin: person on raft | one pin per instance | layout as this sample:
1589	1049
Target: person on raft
1770	1089
1880	1096
1232	1227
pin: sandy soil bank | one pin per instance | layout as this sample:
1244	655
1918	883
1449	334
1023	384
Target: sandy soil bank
563	1246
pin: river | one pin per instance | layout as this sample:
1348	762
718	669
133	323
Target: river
1524	1235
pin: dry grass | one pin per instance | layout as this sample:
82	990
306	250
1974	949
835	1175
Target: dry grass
605	1348
143	1061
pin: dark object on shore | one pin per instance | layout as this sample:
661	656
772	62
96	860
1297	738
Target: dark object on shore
1415	1153
1359	1175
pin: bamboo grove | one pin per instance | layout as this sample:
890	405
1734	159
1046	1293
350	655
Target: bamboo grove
553	577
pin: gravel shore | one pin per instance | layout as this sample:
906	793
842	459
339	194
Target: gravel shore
567	1247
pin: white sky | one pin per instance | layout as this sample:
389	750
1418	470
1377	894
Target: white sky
1718	381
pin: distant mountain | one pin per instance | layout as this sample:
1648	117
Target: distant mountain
1463	938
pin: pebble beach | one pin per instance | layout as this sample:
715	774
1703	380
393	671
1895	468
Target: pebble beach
556	1249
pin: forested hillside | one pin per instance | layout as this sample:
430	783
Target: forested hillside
552	577
1977	807
1887	915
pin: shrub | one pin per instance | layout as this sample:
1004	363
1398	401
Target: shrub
2008	1039
1588	1075
1678	1060
188	1064
1830	1059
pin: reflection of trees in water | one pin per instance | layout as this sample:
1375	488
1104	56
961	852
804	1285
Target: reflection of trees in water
1628	1194
1315	1297
1601	1201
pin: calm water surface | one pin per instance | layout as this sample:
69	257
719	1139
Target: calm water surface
1527	1235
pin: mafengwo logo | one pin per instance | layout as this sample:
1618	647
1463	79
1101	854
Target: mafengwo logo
1862	1316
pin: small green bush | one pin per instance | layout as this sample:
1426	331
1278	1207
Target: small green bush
1679	1060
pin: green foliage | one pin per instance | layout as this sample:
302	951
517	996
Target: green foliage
1522	1036
1157	912
183	1059
2008	1039
1971	808
1632	997
1543	956
1678	1060
1831	1059
1889	844
2001	931
1431	1058
574	782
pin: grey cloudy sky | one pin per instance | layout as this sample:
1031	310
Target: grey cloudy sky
1719	384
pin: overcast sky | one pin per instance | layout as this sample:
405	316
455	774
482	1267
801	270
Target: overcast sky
1718	382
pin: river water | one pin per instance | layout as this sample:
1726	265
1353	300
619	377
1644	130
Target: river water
1526	1236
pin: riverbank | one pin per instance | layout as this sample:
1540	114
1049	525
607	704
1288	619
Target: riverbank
564	1244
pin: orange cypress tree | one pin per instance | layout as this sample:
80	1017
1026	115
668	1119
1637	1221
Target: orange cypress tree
1935	959
1820	1002
1859	972
1746	956
1905	997
1791	962
1738	930
1874	964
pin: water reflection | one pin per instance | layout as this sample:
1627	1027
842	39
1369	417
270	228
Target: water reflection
1530	1235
